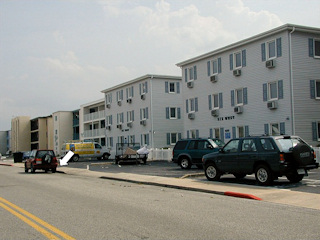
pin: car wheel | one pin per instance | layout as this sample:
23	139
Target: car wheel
75	158
211	172
53	170
105	156
294	177
32	168
263	175
185	163
25	168
239	175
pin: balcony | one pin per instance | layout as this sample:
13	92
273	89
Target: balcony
94	133
94	116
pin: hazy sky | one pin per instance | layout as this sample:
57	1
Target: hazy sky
59	54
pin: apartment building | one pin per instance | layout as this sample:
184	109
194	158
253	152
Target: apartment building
5	142
266	84
41	133
92	121
20	134
145	110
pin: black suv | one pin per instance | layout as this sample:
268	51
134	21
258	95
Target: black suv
187	152
269	157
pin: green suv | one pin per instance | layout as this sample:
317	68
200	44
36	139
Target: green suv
268	157
187	152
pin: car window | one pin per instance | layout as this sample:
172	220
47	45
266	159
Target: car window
97	146
248	145
231	146
203	145
33	154
266	144
41	153
288	144
180	145
192	145
218	142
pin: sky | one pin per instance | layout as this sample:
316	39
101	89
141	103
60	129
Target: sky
56	55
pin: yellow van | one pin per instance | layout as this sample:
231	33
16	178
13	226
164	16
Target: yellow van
86	150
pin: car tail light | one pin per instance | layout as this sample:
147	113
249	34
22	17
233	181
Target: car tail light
38	160
282	158
314	155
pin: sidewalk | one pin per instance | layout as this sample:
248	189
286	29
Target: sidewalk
267	194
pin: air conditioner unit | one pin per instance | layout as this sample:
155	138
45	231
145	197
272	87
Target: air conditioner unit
108	105
108	127
214	78
238	109
129	124
237	72
129	100
143	122
270	63
190	84
119	126
272	105
215	112
143	96
191	115
119	102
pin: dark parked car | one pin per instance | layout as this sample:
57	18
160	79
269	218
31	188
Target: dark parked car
41	159
187	152
269	157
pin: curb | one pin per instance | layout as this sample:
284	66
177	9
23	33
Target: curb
242	195
6	164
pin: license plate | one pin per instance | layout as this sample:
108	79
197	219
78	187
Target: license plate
301	171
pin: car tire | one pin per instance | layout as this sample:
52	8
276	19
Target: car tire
53	170
105	156
185	163
294	177
75	158
263	175
239	175
32	170
25	168
211	172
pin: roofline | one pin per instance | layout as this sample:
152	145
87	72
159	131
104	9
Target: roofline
286	27
144	77
101	100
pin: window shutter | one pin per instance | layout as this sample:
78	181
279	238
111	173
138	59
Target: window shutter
310	47
127	93
146	84
140	89
166	86
195	72
187	107
245	96
167	112
263	52
219	65
127	116
220	100
234	132
266	129
246	131
111	141
314	131
265	92
188	134
141	137
147	113
279	47
179	113
140	114
168	138
209	102
312	89
134	138
208	68
197	133
132	91
179	136
231	61
282	128
122	94
132	115
186	75
211	133
178	87
147	139
196	104
280	89
244	58
232	98
222	134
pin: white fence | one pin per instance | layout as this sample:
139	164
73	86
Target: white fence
160	154
317	151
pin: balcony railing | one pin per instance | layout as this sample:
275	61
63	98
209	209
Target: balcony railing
94	116
94	133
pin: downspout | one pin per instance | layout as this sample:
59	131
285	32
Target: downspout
151	112
291	83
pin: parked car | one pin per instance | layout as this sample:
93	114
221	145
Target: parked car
268	157
188	152
26	155
41	159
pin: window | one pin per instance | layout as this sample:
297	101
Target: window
317	48
145	139
130	116
173	138
318	131
144	113
217	133
109	120
215	67
215	98
275	130
190	73
192	105
119	118
266	144
108	98
110	142
271	49
273	90
172	88
317	89
173	113
191	76
144	87
129	92
193	133
237	60
119	95
248	145
131	139
239	96
240	130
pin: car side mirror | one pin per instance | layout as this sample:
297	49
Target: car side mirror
210	146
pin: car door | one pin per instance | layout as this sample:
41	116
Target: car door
248	155
227	160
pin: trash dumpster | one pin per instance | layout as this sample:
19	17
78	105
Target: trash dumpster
17	156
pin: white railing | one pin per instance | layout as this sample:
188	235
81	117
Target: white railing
317	151
94	116
160	154
94	133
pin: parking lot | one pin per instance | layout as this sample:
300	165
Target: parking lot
309	184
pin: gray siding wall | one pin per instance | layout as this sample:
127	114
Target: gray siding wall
254	75
305	68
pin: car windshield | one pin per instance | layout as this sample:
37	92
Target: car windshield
288	144
216	143
40	154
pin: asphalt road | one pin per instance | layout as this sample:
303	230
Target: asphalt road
94	208
309	183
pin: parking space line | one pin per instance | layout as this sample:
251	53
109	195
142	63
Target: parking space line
10	206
